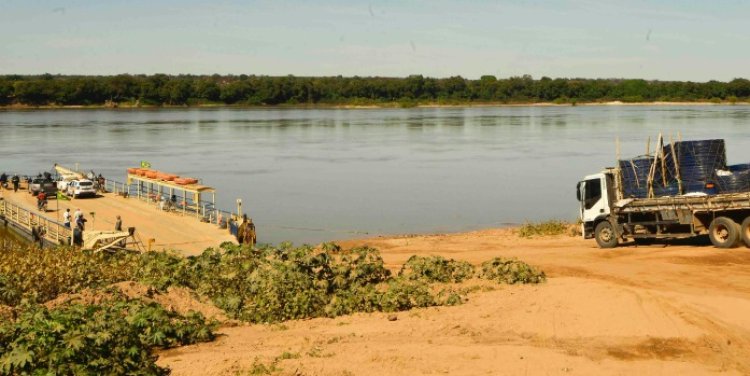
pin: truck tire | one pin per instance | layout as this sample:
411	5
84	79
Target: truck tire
745	231
724	232
605	235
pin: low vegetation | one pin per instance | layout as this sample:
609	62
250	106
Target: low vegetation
436	269
260	285
113	337
510	271
545	228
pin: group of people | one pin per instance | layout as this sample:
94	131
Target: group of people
99	180
77	217
15	180
166	204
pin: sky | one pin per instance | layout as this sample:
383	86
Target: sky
665	40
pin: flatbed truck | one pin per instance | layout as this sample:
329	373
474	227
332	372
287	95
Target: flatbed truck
611	219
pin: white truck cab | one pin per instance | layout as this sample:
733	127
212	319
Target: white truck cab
596	195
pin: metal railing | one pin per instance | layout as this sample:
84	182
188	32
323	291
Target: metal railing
54	232
204	210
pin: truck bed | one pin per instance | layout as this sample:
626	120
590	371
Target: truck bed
709	203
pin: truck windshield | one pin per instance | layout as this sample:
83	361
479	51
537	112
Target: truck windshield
593	193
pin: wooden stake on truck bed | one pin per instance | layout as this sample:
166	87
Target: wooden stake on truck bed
618	171
663	164
676	166
652	170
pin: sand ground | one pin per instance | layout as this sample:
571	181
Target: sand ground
656	310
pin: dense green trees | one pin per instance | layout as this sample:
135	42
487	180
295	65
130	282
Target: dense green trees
161	89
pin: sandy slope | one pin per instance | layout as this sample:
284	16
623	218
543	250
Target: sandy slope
648	310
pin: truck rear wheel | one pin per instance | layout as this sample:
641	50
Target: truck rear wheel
724	232
745	231
605	235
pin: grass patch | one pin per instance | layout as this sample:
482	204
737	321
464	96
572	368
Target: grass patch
545	228
436	269
511	271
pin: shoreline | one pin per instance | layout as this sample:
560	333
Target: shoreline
391	105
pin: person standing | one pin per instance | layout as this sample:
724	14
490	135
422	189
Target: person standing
101	181
250	236
16	181
66	218
77	237
241	230
118	224
246	232
77	215
41	202
81	223
41	231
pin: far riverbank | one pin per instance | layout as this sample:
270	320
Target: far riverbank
387	105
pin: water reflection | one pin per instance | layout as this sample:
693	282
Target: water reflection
314	175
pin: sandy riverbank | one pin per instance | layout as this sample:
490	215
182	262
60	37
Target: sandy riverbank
634	310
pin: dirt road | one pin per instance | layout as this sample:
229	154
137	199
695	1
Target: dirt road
675	310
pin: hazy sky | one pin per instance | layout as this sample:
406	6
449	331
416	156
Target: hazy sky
669	40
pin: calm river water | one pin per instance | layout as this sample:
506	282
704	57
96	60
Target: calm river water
309	175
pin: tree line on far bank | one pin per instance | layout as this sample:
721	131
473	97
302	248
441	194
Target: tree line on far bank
162	89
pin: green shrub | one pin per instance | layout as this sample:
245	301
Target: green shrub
115	337
38	275
163	269
546	228
260	285
436	269
510	271
403	294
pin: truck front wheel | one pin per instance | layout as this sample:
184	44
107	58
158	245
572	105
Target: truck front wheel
724	232
605	235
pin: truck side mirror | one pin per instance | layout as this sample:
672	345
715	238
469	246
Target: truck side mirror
578	191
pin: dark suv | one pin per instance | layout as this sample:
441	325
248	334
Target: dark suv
39	184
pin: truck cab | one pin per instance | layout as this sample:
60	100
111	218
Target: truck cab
596	195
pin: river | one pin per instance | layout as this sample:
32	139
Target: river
311	175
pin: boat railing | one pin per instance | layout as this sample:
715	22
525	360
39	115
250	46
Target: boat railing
26	220
204	210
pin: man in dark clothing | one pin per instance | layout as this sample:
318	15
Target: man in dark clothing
16	181
241	230
118	224
81	223
100	181
246	232
38	232
77	236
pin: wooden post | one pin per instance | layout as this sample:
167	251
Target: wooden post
663	163
676	166
652	170
618	171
